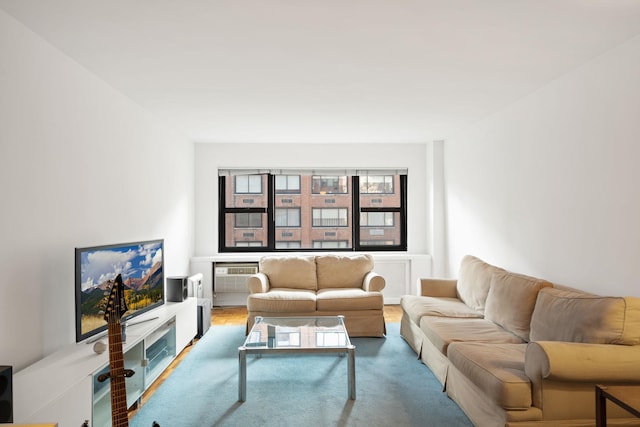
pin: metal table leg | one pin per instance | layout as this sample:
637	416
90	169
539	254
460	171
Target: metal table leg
242	374
352	372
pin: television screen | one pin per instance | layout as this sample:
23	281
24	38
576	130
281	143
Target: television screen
141	265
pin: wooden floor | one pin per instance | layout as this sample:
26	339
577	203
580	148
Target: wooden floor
236	316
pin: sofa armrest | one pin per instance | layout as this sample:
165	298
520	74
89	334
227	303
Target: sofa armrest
581	362
258	283
443	288
373	282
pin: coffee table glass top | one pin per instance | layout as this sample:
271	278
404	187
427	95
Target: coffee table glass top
304	333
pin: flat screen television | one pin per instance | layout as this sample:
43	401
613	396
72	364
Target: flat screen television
141	265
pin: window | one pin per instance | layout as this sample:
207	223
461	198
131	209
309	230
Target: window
287	184
267	211
376	219
248	220
330	217
329	184
287	244
248	184
376	184
287	217
376	242
248	244
330	244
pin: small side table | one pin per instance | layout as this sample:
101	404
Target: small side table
625	396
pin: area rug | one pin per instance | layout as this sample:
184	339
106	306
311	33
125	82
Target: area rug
393	388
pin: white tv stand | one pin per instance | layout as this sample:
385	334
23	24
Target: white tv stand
63	387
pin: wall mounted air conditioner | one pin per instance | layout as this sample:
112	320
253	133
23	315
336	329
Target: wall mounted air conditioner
230	282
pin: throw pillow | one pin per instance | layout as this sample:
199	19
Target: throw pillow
511	301
562	315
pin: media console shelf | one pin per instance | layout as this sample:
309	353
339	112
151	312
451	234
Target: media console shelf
63	387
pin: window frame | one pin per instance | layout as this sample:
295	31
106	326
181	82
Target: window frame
353	218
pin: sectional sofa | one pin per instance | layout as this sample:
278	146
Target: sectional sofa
514	350
322	285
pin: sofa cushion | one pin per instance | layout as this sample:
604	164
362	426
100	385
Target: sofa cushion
562	315
511	300
474	280
293	272
417	306
496	369
336	271
281	300
348	299
442	331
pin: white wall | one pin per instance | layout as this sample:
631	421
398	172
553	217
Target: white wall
210	157
80	165
550	186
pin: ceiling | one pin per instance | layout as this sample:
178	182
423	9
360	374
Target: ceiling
330	70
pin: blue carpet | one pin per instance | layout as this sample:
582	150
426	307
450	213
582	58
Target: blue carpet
393	388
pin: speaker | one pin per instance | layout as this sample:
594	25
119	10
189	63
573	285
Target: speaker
177	289
6	394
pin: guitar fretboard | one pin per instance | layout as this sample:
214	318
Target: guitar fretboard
119	416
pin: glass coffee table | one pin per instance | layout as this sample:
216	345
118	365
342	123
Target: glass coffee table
299	336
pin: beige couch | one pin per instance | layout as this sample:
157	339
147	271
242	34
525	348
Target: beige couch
513	350
323	285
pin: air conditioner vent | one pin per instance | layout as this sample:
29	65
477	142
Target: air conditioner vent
242	270
230	282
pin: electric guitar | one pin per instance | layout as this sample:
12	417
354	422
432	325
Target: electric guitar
116	307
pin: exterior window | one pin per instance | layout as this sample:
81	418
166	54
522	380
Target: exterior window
287	184
329	184
248	244
304	212
248	220
376	184
288	244
376	219
248	184
330	217
377	242
287	217
328	244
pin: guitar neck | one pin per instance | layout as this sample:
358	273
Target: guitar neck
119	415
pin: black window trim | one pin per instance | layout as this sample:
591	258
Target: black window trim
271	228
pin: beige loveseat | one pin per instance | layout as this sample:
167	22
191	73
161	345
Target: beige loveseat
517	351
322	285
